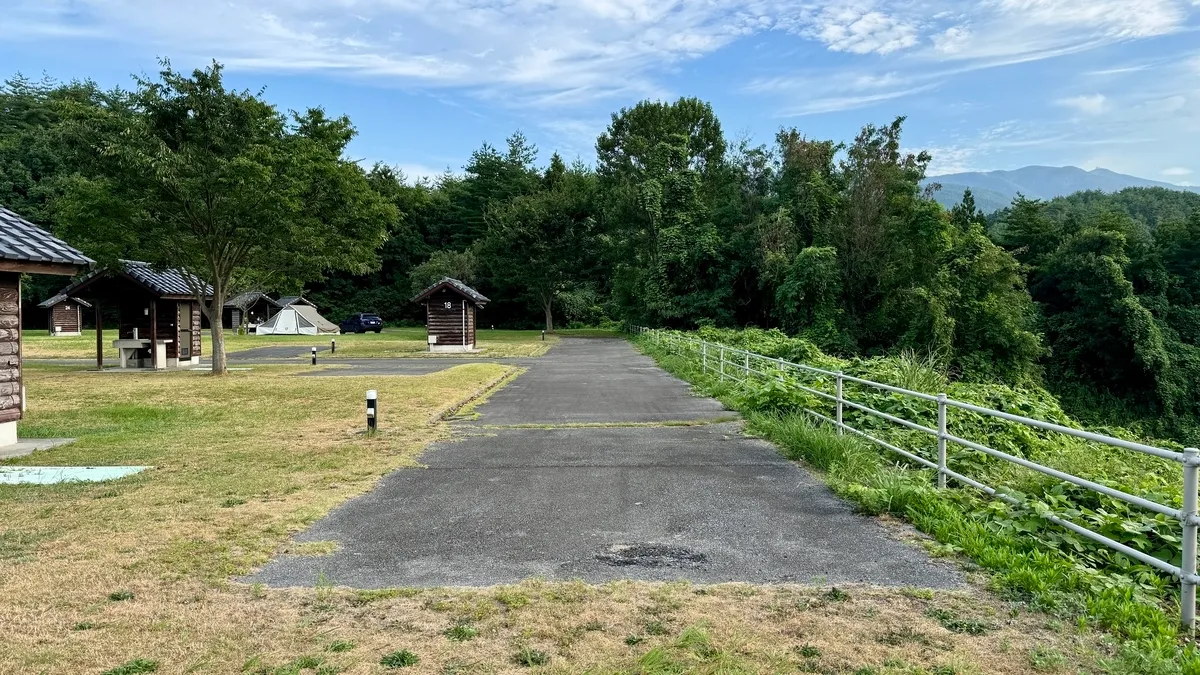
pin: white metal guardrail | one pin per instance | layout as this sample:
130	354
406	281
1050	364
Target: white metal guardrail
739	365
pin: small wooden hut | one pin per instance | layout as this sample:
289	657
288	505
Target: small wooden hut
450	307
65	315
158	314
24	248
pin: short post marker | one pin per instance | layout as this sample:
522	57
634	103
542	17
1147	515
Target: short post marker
543	336
372	414
314	355
332	346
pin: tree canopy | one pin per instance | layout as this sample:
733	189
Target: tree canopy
223	187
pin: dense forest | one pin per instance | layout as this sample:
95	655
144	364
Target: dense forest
1095	295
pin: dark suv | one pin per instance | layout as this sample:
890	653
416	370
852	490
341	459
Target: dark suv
361	323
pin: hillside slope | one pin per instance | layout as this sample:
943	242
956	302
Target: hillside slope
996	189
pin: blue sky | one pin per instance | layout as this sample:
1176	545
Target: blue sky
991	84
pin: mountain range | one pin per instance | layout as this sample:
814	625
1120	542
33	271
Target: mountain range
994	190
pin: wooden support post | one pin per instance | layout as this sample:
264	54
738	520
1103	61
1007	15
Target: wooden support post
99	338
154	334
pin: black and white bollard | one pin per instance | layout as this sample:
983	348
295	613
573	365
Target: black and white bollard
314	354
332	346
372	415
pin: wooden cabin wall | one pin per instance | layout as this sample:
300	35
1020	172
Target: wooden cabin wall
69	320
10	346
446	322
133	316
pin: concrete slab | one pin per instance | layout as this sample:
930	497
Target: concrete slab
596	380
605	500
28	446
49	475
702	503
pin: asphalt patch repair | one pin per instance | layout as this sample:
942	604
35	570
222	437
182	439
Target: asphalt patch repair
560	478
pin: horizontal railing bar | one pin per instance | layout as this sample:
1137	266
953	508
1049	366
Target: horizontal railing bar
916	458
888	387
1086	435
1075	480
818	392
891	418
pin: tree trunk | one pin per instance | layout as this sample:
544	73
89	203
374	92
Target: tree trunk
219	365
547	303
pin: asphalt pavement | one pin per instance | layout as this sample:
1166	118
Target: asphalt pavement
561	477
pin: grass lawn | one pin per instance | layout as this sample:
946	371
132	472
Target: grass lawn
392	342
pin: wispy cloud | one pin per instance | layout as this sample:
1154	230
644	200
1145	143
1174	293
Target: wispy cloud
1089	104
1176	171
565	53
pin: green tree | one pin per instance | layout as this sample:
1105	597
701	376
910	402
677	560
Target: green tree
535	242
655	163
219	184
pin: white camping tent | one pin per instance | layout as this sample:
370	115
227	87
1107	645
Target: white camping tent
296	320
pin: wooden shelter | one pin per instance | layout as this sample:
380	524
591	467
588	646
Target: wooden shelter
65	315
249	309
24	248
158	313
450	308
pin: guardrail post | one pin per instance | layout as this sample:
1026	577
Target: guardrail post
704	356
839	403
941	478
1187	595
746	366
722	363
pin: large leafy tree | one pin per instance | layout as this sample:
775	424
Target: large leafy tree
221	185
536	243
657	162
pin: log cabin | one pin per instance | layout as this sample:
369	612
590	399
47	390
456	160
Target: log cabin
24	249
450	309
158	313
65	315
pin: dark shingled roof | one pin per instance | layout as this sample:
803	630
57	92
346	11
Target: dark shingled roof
22	240
50	302
244	300
163	282
456	285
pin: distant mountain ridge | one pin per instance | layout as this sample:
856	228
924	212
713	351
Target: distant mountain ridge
995	190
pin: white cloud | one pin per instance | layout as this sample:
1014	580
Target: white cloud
860	30
1176	171
1092	104
571	53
